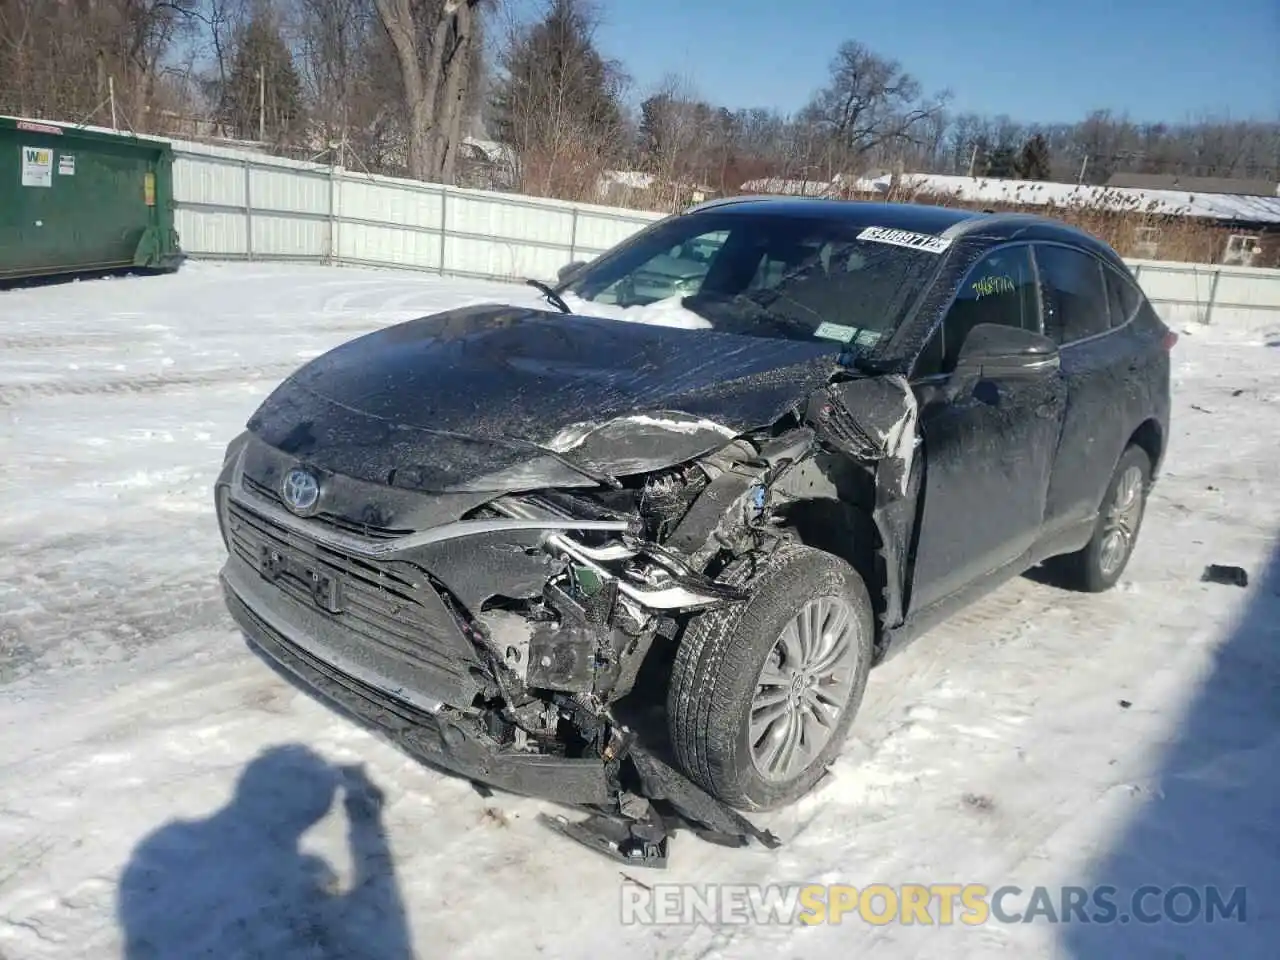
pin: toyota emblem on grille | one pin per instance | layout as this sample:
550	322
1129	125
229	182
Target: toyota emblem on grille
301	490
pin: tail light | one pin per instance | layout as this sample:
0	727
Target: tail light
1170	338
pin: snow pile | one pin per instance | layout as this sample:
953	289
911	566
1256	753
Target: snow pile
670	312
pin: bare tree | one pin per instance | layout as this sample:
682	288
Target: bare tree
870	105
556	102
677	134
434	42
334	47
58	59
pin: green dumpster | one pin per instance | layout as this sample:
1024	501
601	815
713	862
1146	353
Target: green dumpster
75	200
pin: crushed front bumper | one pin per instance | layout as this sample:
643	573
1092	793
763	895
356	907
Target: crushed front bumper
428	735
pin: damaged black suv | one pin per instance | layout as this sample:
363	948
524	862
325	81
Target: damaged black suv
733	463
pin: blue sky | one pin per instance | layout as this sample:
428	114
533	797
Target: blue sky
1030	59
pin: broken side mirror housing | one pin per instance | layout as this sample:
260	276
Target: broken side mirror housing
993	351
569	269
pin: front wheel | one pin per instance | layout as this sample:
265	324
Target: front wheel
762	693
1099	565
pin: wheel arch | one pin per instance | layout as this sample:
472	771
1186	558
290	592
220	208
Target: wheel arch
850	533
1149	436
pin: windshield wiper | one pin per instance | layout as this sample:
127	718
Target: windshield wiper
549	292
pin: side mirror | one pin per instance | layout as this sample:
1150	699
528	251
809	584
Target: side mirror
569	269
993	351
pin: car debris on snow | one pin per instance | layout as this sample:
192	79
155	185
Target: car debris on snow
1225	574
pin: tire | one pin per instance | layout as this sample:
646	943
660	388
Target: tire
1088	569
719	665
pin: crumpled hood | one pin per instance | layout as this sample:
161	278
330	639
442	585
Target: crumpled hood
464	399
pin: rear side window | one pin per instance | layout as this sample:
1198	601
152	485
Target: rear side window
1075	300
1123	294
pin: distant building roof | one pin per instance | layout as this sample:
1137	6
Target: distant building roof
836	187
631	179
1038	193
1173	181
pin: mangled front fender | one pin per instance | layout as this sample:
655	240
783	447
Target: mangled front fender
873	419
876	420
642	442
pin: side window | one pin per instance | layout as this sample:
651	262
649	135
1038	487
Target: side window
1075	300
999	288
1123	294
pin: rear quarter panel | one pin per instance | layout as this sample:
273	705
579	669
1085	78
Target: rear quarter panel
1118	381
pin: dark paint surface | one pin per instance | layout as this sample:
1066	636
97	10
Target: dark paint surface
1111	388
990	452
449	400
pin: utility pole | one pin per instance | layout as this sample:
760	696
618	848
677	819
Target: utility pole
262	105
973	159
111	94
1084	165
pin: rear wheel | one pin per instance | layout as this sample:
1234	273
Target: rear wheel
762	693
1104	558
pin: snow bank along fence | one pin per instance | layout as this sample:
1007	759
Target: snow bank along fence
234	204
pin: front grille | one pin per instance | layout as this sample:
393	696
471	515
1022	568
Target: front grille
391	607
328	519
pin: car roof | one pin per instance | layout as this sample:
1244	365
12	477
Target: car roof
902	216
986	227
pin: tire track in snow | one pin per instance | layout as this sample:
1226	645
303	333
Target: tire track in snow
39	342
146	384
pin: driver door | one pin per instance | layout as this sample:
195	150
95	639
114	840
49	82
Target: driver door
988	445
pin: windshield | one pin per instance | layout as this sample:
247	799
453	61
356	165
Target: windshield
784	277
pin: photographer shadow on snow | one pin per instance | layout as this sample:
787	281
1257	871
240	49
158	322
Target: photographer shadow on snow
238	884
1208	824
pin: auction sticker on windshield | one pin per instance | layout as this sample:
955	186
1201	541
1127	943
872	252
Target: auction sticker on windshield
835	331
905	238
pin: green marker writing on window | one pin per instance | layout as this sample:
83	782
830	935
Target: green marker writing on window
991	285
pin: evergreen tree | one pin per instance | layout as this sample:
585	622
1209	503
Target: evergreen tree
653	121
1002	164
555	83
1034	160
262	85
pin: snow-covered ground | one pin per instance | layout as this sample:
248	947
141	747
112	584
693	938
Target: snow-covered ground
162	793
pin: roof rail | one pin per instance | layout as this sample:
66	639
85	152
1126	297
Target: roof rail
729	201
986	221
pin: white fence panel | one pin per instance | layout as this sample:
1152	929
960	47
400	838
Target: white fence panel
290	237
390	202
289	191
537	223
208	180
1204	293
212	233
598	229
381	245
501	258
236	204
